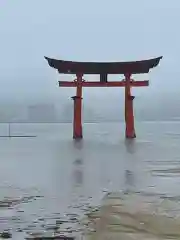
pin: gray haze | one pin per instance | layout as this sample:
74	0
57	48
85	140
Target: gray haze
88	31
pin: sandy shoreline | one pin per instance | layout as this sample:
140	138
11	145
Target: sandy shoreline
134	217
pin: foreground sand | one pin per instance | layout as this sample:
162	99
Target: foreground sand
134	216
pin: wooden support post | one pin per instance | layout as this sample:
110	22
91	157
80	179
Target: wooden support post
77	121
129	116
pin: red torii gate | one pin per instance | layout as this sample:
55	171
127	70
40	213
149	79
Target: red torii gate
103	69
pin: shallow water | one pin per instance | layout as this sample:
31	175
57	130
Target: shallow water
52	179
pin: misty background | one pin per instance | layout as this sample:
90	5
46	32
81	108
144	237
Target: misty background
80	30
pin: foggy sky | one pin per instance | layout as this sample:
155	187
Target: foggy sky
95	30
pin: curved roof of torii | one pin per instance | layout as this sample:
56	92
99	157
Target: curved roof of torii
136	67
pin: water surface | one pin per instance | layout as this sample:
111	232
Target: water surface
51	177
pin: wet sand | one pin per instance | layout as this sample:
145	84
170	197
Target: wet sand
51	183
134	216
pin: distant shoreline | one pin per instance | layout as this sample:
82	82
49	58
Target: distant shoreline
86	122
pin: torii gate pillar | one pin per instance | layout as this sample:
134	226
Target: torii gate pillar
77	115
129	115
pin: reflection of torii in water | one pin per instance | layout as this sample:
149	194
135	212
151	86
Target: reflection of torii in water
129	174
78	164
77	183
78	172
129	180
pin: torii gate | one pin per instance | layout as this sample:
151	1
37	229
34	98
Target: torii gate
103	69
